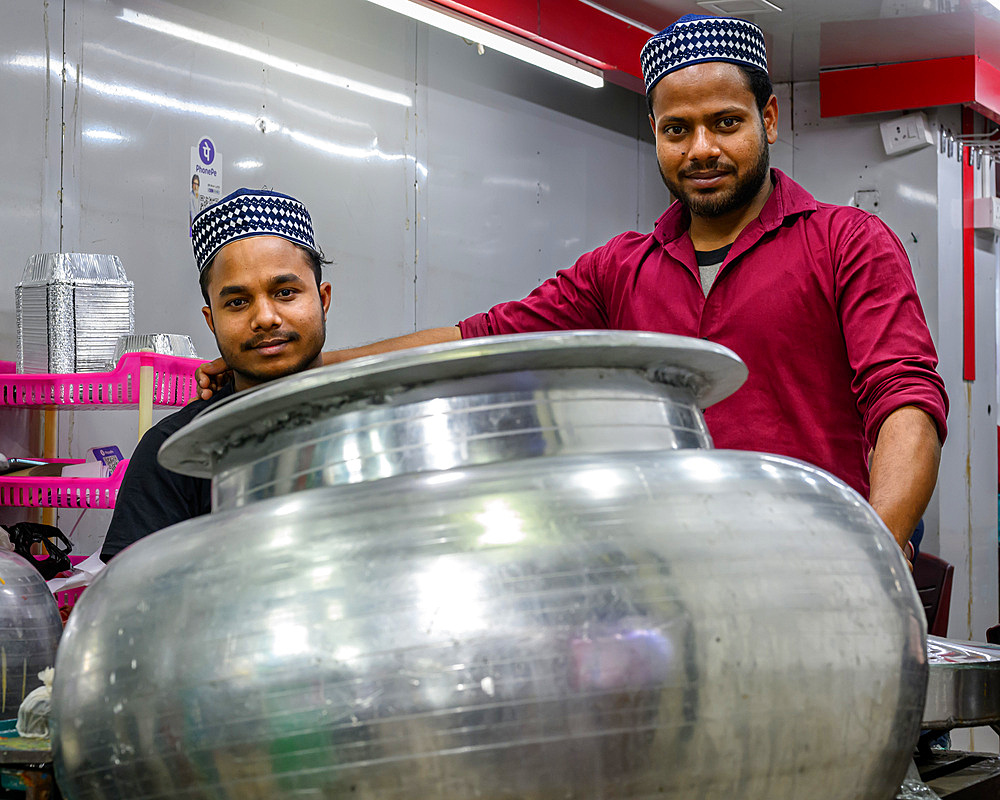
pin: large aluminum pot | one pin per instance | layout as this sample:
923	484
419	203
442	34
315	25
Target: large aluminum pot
30	627
546	623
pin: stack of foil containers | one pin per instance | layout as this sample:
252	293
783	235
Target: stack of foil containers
71	309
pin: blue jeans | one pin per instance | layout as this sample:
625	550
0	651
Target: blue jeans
918	534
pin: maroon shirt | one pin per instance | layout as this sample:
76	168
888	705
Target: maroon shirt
817	299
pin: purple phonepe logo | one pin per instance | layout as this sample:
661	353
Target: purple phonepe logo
206	150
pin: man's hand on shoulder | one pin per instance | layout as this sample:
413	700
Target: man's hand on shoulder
211	377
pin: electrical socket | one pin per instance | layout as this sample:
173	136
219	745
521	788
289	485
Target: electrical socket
903	134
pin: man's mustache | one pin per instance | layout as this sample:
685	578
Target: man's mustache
717	167
273	338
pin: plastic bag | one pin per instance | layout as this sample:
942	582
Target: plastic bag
915	789
33	715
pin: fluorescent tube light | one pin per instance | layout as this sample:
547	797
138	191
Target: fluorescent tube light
275	62
495	40
102	135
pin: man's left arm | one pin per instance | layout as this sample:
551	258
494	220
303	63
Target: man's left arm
900	395
904	469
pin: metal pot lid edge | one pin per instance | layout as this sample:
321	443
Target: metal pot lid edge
719	371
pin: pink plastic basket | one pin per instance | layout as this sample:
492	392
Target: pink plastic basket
67	598
173	384
47	492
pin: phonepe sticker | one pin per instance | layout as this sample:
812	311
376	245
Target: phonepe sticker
206	177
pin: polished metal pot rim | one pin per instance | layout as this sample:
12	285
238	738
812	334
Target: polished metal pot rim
709	371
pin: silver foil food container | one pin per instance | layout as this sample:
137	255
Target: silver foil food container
166	344
71	309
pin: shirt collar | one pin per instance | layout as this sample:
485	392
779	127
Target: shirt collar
787	199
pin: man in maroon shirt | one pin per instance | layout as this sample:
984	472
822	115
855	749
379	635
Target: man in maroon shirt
819	300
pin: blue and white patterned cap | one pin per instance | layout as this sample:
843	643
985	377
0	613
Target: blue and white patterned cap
694	39
246	213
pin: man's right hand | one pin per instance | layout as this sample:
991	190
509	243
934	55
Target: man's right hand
418	339
211	377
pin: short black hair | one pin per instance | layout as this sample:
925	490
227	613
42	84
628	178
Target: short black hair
316	260
758	82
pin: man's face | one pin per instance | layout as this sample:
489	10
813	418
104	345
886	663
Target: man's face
195	183
268	318
710	143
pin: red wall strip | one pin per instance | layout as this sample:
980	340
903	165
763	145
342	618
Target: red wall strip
968	258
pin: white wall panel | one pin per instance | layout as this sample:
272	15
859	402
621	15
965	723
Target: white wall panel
476	179
30	163
343	152
968	475
30	159
525	172
146	84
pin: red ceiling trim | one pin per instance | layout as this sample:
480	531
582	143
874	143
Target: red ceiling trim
894	87
913	84
987	100
568	27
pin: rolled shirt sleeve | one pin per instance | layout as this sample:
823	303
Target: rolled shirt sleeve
817	299
572	300
888	344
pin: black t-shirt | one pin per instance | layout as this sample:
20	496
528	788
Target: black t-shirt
151	497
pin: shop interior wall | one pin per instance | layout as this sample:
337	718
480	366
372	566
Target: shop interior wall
475	178
920	198
441	181
967	514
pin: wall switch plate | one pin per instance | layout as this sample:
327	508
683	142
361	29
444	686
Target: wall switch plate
986	213
867	200
903	134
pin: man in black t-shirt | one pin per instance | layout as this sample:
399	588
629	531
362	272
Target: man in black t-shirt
266	304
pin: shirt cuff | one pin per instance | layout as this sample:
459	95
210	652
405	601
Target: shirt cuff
475	326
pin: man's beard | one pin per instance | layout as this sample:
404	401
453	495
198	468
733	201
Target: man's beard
718	203
251	376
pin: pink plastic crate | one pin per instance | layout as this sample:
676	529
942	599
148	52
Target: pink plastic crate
66	598
173	384
39	492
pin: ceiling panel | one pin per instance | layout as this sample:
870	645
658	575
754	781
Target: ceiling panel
794	32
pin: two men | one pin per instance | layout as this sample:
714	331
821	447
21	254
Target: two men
819	300
266	304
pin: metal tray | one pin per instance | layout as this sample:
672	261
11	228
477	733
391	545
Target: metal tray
963	688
